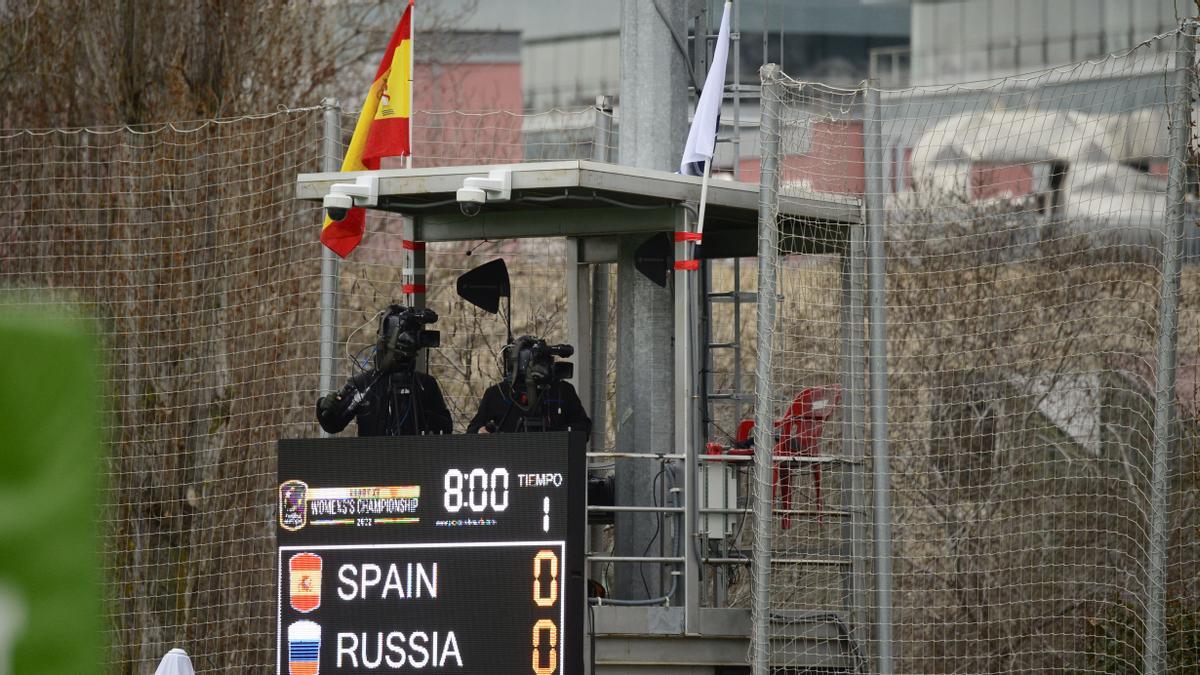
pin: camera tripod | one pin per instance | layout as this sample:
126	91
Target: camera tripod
402	401
532	419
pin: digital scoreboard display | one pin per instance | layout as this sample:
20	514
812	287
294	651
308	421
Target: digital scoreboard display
440	554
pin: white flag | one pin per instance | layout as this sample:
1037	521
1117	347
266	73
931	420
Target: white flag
702	138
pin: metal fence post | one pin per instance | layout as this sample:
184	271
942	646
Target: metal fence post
602	143
601	152
331	160
877	376
602	130
1153	657
855	428
768	254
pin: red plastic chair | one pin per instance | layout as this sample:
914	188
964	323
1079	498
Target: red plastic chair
798	433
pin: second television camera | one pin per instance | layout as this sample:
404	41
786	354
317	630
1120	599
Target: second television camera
402	334
529	364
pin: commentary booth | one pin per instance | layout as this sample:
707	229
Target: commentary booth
474	550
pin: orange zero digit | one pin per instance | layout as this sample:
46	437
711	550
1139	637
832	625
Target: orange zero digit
548	626
538	563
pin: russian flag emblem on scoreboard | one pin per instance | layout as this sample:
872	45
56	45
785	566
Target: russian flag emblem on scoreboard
305	570
304	648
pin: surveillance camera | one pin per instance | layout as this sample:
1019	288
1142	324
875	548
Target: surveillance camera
472	195
476	191
342	197
471	200
337	205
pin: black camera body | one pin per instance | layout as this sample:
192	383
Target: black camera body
401	335
529	366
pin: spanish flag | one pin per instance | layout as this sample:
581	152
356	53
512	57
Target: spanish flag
382	129
305	570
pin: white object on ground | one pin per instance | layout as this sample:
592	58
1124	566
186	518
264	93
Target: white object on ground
176	662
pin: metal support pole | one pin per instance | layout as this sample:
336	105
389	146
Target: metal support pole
686	441
602	139
653	129
414	273
579	317
602	144
602	151
877	367
697	541
855	430
599	355
588	304
764	487
414	261
331	160
1153	657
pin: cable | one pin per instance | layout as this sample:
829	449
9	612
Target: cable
350	337
657	527
742	517
395	408
680	46
481	243
416	206
695	543
663	599
592	637
860	661
628	205
360	362
593	196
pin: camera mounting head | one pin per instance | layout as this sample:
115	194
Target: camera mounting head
530	367
342	197
401	335
477	191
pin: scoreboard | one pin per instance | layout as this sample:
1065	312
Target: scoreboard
442	554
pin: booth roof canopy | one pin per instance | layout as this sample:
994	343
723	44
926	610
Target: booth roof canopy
582	192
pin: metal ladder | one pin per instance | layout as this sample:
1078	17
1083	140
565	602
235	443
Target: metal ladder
733	400
734	395
722	409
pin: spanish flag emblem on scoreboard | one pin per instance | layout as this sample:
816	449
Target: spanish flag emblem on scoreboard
305	571
382	130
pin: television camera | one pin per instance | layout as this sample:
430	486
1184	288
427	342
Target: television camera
530	369
402	334
532	376
529	366
391	399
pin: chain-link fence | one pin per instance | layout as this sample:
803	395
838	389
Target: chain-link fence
984	401
187	244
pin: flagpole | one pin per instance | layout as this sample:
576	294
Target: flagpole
408	159
412	68
702	138
414	255
703	196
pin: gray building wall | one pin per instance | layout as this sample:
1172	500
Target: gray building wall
570	49
968	40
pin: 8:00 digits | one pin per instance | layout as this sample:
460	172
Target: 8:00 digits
477	489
